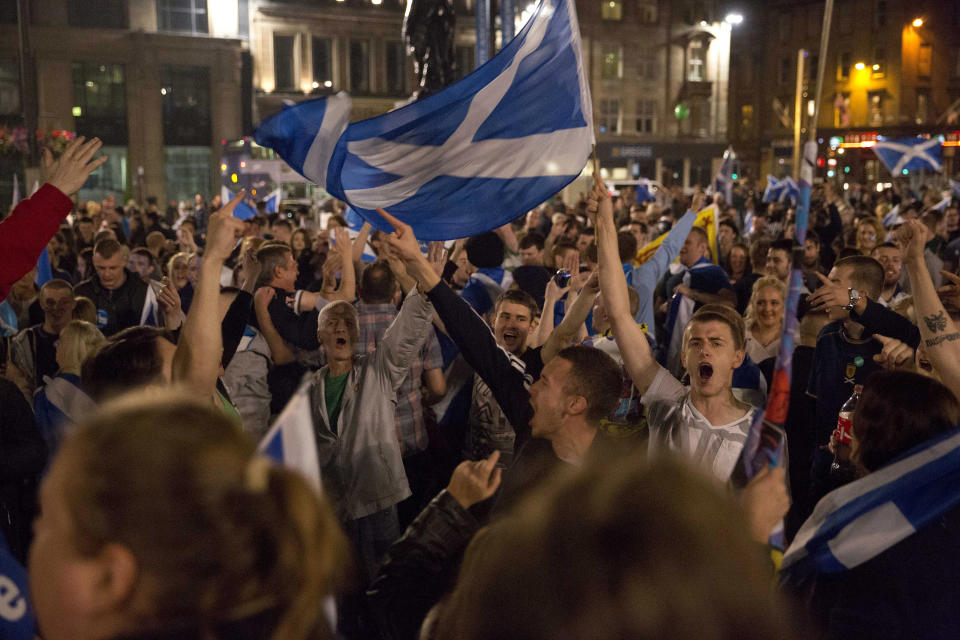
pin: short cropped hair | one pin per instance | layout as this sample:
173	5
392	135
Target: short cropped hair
726	315
628	246
377	283
108	247
127	361
595	376
517	296
532	239
271	256
866	274
340	306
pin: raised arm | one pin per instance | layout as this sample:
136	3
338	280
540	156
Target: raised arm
279	351
569	328
637	357
545	328
196	362
347	290
939	333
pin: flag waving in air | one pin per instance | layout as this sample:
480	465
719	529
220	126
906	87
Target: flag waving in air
465	160
909	154
723	181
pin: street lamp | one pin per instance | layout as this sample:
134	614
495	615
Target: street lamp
734	18
917	22
860	66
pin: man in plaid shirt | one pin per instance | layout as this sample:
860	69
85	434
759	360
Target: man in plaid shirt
377	309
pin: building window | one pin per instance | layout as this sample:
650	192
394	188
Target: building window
359	66
611	9
697	61
923	106
185	95
646	116
95	14
841	110
647	63
880	13
924	57
465	61
188	172
648	13
845	18
875	108
700	118
746	119
109	179
189	16
609	116
322	62
844	62
786	71
611	56
100	97
878	69
284	77
9	87
396	69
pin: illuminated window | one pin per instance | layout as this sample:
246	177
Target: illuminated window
322	61
188	16
875	108
841	110
697	61
611	9
609	116
100	90
646	116
611	57
746	119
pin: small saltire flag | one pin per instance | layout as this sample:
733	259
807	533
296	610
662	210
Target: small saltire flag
644	193
272	201
723	181
893	217
468	159
861	520
790	190
773	190
909	154
291	440
943	204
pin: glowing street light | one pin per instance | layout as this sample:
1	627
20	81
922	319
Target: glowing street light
734	18
917	22
860	66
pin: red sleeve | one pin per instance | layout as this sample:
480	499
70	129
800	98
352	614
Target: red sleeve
25	232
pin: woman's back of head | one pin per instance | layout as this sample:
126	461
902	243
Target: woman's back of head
618	551
218	535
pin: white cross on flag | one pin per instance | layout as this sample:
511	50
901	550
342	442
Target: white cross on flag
909	154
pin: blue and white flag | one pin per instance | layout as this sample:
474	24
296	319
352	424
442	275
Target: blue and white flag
291	440
861	520
909	154
644	190
272	202
893	217
773	190
943	204
955	188
723	181
468	159
44	269
790	190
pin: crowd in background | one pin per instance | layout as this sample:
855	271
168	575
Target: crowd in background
525	433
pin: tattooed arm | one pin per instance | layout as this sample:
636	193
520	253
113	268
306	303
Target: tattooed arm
939	333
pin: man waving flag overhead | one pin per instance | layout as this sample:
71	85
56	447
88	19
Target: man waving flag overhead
468	159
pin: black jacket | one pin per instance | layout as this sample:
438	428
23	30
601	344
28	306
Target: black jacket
117	308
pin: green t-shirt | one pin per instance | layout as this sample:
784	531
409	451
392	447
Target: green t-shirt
333	395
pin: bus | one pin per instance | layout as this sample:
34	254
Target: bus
246	165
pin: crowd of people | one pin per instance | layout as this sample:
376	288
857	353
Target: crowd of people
524	433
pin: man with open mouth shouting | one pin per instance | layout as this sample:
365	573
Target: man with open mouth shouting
704	422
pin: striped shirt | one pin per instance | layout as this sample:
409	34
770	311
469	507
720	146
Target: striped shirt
411	430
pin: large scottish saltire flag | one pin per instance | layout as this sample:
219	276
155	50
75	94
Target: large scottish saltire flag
861	520
291	440
909	154
773	190
465	160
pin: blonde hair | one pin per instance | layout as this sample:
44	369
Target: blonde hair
78	340
766	282
84	309
221	537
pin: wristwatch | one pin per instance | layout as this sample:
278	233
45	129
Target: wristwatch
854	299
